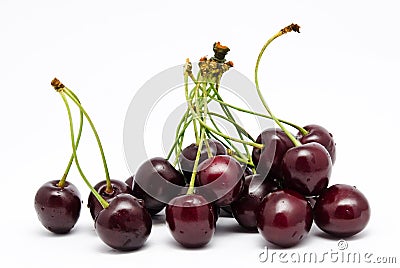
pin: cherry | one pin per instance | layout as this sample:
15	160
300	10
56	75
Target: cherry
269	159
58	208
125	224
224	176
284	218
191	220
320	135
227	210
206	193
341	210
188	156
118	188
156	183
307	168
254	190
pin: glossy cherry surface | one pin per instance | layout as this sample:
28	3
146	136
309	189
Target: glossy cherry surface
119	187
125	225
284	218
245	207
269	159
191	220
307	169
342	211
224	176
156	182
188	156
320	135
226	211
57	208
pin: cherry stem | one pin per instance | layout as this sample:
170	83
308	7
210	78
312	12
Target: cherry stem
302	130
61	183
203	124
227	140
292	27
233	121
69	93
196	164
103	202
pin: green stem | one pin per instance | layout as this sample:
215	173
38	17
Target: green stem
103	202
281	32
206	126
238	127
233	121
299	128
237	151
69	93
61	183
205	115
177	140
196	164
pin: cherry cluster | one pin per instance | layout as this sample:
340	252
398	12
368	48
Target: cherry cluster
276	184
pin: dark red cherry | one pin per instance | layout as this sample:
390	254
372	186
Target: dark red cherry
226	211
284	218
307	169
320	135
191	220
125	225
188	156
342	211
208	194
156	183
244	209
269	159
224	176
57	208
119	187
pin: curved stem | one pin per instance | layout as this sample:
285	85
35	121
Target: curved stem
69	93
302	130
209	128
232	120
71	159
196	164
237	126
257	145
292	27
103	202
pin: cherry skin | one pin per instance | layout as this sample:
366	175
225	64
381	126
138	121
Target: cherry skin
269	159
57	208
284	218
125	225
307	169
188	156
191	220
342	211
206	193
119	187
224	176
156	183
227	210
244	209
320	135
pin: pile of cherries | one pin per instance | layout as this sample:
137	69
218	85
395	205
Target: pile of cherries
278	187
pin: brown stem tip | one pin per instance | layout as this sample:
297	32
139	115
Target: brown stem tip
57	84
292	27
220	52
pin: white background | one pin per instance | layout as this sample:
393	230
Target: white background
340	72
